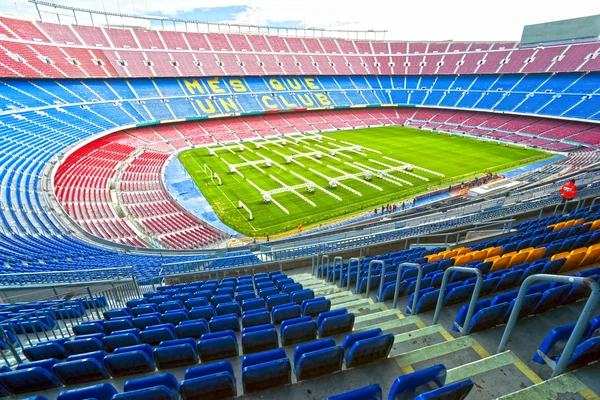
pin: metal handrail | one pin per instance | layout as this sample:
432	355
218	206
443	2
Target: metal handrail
335	260
582	322
474	296
369	273
357	259
314	264
323	257
55	277
419	267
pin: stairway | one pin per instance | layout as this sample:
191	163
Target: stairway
418	346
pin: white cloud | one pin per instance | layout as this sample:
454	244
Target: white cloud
469	20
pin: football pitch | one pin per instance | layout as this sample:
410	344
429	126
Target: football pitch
310	179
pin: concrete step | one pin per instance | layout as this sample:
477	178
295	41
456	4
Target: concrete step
565	386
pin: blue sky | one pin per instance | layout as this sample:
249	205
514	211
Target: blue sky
468	20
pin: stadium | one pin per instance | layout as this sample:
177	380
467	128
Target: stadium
194	209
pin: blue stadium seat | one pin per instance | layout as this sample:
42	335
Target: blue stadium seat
118	325
253	304
191	329
87	329
145	320
372	392
117	313
231	307
103	391
314	307
113	341
408	386
174	316
212	381
46	364
317	358
195	302
167	380
155	334
334	322
268	291
82	368
159	392
241	296
255	317
136	302
265	370
176	353
298	296
130	360
457	390
84	345
298	330
144	309
585	353
277	299
224	323
29	380
367	346
218	345
218	299
259	338
202	312
285	311
291	287
45	350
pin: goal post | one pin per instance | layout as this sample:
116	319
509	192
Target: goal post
242	205
212	175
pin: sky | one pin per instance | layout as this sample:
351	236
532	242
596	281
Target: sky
469	20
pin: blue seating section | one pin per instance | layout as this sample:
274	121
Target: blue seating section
30	138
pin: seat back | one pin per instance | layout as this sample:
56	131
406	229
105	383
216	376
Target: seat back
46	350
368	350
219	345
265	370
224	323
167	380
191	329
259	338
215	380
253	304
457	390
29	380
297	330
128	362
316	306
80	371
285	311
372	392
408	386
101	391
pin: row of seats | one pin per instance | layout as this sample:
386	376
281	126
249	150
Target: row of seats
539	298
426	384
261	370
586	352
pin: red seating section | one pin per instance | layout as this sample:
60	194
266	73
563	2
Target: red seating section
154	53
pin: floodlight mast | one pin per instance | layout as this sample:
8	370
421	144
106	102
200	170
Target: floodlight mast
308	32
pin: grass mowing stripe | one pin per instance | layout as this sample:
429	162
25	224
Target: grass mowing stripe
458	158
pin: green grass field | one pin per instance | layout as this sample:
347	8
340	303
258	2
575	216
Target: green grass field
457	158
